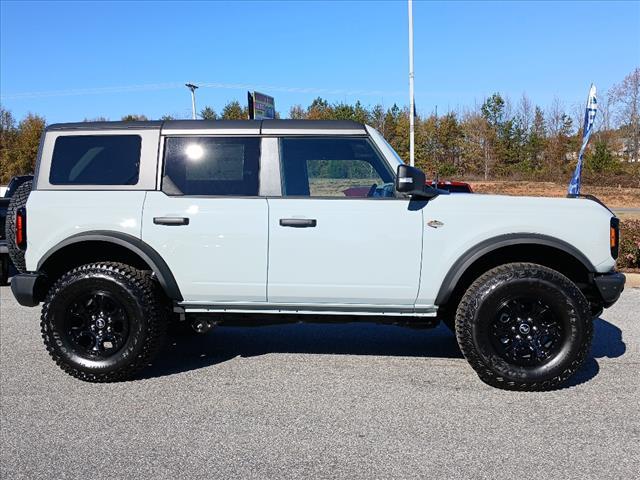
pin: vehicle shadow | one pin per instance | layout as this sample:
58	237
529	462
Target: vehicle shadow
607	343
185	352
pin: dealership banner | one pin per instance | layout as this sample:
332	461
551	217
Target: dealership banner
589	117
261	106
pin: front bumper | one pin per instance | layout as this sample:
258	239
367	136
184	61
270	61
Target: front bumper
610	286
28	288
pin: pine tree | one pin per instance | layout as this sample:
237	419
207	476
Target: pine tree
320	110
233	111
208	113
133	117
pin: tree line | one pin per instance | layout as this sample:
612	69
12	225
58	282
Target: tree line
497	139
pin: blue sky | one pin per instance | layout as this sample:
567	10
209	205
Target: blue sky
133	57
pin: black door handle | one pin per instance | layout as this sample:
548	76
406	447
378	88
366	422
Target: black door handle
171	220
298	222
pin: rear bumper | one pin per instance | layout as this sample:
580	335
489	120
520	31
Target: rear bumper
610	286
28	288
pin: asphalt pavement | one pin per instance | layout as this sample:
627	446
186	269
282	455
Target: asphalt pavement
317	401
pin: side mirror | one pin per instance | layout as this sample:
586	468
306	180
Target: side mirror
411	181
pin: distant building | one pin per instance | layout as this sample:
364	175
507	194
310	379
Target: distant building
625	150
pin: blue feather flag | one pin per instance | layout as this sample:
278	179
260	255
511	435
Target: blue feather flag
589	117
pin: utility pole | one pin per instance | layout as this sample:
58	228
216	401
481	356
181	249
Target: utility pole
411	99
192	87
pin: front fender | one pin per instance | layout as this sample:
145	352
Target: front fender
489	245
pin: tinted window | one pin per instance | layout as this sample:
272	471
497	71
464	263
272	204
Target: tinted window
211	166
96	160
334	167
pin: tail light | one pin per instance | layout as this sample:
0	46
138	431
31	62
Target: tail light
614	237
21	228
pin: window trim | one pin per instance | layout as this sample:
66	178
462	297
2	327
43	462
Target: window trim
270	171
148	160
381	156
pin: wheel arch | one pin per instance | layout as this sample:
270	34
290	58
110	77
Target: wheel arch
105	245
542	249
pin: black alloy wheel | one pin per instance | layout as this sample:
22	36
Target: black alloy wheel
526	331
96	324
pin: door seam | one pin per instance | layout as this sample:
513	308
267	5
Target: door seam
144	202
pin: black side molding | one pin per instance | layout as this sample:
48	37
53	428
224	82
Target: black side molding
137	246
593	198
474	253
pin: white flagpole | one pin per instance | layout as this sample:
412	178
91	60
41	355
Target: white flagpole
411	101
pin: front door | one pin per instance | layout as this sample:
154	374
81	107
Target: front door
208	222
339	235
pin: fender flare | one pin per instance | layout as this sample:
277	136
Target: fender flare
135	245
489	245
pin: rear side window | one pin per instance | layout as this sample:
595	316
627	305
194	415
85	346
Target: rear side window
211	166
96	160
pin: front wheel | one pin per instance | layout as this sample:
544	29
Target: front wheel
103	322
524	326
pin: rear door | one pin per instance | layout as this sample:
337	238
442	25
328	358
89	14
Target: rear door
339	235
208	221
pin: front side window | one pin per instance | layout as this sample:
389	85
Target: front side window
333	167
211	166
96	160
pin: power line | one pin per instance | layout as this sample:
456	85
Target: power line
171	86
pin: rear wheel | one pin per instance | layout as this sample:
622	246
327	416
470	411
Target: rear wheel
523	326
103	322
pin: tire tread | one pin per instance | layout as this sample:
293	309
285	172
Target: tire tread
470	300
18	200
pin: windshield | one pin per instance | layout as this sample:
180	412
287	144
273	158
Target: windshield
384	145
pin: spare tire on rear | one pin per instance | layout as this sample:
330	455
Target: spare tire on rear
18	201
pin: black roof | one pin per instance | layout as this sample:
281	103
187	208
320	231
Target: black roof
214	124
312	124
105	125
210	124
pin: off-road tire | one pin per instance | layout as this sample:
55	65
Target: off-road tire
143	301
18	201
472	326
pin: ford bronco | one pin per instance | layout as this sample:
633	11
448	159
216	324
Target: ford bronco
131	226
